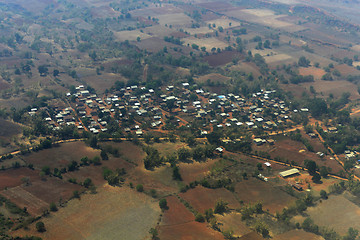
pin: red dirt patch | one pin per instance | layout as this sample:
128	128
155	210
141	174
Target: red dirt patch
316	72
177	213
203	198
272	198
59	157
12	177
221	58
189	231
195	171
298	235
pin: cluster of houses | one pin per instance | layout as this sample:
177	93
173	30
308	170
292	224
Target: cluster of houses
150	108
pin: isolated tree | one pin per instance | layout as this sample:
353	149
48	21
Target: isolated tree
176	173
40	227
323	194
303	62
139	188
53	207
163	204
43	70
220	207
56	73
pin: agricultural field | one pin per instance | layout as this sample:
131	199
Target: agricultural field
115	212
203	198
272	197
337	212
298	235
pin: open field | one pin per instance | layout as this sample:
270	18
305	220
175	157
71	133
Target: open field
298	235
214	77
37	195
222	58
12	177
233	222
209	43
271	197
61	156
336	212
130	35
204	198
174	19
196	170
224	22
112	213
316	72
337	88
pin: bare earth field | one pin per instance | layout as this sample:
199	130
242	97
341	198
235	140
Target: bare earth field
115	213
336	212
316	72
298	235
214	77
337	88
209	43
234	223
204	198
12	177
38	195
196	170
62	155
272	198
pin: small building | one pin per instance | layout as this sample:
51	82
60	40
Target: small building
289	173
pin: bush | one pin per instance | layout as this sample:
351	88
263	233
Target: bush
139	188
199	218
53	207
40	227
163	204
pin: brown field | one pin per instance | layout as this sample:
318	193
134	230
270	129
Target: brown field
176	214
296	151
12	177
298	235
159	31
38	195
204	198
175	19
8	129
336	212
62	155
214	77
168	148
316	72
233	222
209	43
189	231
224	22
196	170
221	58
130	35
116	213
346	70
337	88
216	6
247	68
272	198
278	59
251	236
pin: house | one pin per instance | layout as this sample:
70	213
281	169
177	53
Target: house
289	173
259	141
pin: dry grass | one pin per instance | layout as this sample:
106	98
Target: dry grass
112	213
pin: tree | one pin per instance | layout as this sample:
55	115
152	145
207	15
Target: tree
87	183
183	154
43	70
351	234
316	178
56	73
40	227
104	155
324	172
199	218
176	173
323	194
163	204
220	207
311	166
154	233
53	207
93	55
303	62
139	188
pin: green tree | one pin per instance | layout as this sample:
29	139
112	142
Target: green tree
183	154
40	227
139	188
323	194
220	207
53	207
303	62
163	204
43	70
176	173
